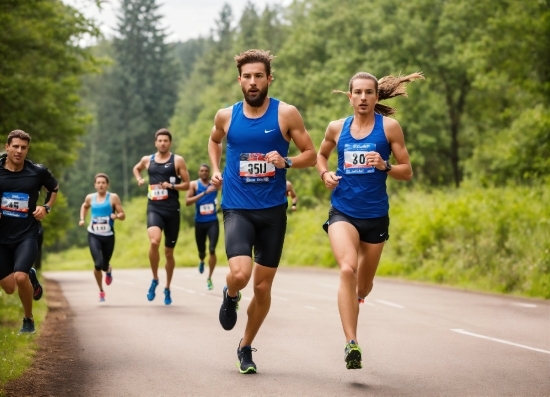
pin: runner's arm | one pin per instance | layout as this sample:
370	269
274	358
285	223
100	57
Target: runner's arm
191	197
327	146
403	169
140	166
300	136
221	121
84	209
117	205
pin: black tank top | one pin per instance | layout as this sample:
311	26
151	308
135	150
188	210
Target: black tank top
159	198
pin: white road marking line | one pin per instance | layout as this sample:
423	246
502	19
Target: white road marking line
246	298
310	307
389	303
461	331
529	305
279	297
369	303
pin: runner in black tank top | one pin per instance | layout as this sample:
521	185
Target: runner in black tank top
167	174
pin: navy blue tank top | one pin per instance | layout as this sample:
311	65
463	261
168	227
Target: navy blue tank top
361	193
249	182
206	205
160	198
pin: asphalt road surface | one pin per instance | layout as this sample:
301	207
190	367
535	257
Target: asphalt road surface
417	340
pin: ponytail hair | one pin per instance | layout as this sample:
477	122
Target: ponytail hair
387	87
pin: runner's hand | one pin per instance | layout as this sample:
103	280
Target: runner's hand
39	213
210	189
81	223
331	180
275	158
217	180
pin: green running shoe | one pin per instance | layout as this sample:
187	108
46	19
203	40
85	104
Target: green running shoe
209	284
353	355
245	363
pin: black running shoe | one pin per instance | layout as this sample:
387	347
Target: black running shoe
245	363
228	310
37	293
28	326
353	355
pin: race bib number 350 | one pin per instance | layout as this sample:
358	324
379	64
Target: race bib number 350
355	158
15	205
157	192
254	169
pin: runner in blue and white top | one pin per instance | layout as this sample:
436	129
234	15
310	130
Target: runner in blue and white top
258	130
358	218
105	208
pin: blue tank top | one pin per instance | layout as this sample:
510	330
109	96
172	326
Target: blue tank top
361	193
101	222
248	181
206	205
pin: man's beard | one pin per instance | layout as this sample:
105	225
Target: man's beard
258	101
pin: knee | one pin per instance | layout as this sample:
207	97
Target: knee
169	253
262	288
21	278
240	277
202	255
155	243
348	272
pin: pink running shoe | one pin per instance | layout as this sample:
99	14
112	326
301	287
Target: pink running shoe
108	277
102	296
361	300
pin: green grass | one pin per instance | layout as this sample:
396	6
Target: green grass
17	351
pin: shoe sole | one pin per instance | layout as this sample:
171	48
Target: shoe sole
26	332
248	371
236	308
353	359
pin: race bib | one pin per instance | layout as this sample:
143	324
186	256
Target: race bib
101	224
206	209
15	205
254	169
157	192
355	158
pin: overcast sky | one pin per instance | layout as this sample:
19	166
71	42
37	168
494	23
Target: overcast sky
185	19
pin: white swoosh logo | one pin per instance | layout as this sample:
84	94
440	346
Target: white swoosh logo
267	132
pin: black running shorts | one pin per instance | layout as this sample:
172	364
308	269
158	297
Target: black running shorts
262	229
207	229
17	257
372	230
167	221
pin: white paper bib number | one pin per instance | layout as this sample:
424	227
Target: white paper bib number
101	225
206	209
15	205
355	158
157	192
254	169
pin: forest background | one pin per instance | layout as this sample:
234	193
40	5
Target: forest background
478	128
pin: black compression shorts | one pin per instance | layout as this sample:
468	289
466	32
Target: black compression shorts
210	230
372	230
262	229
167	221
101	248
17	257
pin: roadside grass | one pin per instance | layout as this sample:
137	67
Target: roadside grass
17	351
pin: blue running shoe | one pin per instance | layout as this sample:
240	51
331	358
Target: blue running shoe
201	267
167	297
152	288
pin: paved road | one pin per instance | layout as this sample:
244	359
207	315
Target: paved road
417	340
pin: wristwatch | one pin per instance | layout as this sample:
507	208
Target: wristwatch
288	162
388	166
47	208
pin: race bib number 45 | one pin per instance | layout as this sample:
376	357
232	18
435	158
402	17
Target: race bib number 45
157	192
15	205
355	158
254	169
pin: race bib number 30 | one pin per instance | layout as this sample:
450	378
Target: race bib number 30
15	205
157	192
206	209
100	224
254	169
355	158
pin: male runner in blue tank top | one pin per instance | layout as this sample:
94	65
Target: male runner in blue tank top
167	174
105	208
258	131
204	196
358	219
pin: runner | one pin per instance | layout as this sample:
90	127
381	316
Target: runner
292	194
258	130
167	174
20	184
204	196
358	218
106	207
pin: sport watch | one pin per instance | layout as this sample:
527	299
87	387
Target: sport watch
288	162
47	208
388	166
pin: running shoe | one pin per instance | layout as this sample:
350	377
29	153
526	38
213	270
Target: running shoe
201	267
361	300
209	284
102	296
353	355
28	326
228	310
167	297
245	363
109	277
152	288
37	288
